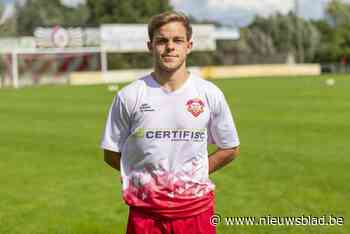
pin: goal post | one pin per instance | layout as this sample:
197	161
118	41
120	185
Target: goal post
37	66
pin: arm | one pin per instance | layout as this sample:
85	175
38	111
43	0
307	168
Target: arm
221	157
116	132
112	158
223	133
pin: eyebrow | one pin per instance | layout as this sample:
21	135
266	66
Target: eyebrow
164	37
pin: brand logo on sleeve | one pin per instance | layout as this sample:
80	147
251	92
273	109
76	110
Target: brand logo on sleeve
145	107
195	106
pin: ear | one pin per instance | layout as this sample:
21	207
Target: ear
189	46
149	46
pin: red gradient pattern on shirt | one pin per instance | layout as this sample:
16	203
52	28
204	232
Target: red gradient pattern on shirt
167	194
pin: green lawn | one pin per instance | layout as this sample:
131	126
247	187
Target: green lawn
295	157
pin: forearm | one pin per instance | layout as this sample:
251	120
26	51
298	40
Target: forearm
222	157
112	159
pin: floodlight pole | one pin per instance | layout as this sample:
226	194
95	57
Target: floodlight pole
104	62
14	69
14	52
298	31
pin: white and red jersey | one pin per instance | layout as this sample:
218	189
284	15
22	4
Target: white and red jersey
163	137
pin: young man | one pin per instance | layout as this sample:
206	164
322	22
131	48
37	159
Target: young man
157	133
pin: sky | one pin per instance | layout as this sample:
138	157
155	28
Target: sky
229	12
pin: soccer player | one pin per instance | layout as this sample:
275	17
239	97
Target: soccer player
157	133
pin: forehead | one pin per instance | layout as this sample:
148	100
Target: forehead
172	29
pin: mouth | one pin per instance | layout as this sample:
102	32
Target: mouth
169	58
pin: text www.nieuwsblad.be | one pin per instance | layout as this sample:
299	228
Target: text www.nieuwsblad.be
325	220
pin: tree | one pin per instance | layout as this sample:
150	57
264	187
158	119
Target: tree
124	11
324	51
39	13
336	31
338	13
7	25
283	32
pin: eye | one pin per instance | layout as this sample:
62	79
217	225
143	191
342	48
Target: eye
179	40
161	40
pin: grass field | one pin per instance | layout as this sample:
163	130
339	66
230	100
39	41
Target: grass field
295	158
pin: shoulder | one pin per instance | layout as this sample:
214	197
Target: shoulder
206	86
134	88
130	94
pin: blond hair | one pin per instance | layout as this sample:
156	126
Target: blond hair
158	21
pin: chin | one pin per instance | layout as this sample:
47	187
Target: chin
170	67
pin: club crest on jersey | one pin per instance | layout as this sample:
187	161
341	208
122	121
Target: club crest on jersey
195	106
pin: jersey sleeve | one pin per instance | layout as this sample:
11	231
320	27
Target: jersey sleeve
222	128
117	126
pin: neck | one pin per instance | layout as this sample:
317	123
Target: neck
172	80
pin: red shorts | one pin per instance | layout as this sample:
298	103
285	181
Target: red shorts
141	223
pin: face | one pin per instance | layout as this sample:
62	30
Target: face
170	47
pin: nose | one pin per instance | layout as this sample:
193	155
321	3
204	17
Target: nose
170	45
